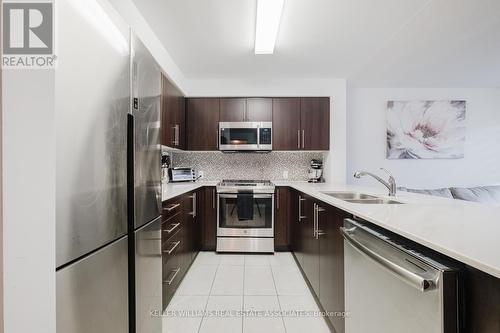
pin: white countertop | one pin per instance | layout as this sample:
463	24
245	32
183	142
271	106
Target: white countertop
171	190
466	231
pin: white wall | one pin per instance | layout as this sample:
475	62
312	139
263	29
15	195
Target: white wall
29	200
335	163
131	15
366	143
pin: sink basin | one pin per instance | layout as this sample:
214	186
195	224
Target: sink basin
350	195
376	201
355	197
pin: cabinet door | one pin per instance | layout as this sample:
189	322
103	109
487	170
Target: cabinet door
315	123
311	246
281	219
259	109
331	263
286	124
187	229
172	115
208	215
202	123
232	109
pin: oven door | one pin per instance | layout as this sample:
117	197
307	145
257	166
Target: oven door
262	224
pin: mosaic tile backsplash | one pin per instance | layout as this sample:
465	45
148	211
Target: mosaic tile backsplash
217	165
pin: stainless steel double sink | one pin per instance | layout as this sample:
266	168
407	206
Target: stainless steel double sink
361	198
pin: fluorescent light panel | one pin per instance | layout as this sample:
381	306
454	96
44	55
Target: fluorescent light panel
267	25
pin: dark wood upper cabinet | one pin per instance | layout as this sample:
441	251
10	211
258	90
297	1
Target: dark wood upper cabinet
232	109
299	123
286	123
315	123
259	109
173	115
202	128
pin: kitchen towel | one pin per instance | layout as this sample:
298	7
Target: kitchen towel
244	203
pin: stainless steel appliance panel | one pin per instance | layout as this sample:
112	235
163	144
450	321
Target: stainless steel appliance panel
148	278
92	94
392	289
245	244
91	294
262	225
146	90
245	136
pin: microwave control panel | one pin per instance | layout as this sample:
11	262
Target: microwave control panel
265	136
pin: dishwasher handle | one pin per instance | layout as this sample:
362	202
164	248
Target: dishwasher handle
415	280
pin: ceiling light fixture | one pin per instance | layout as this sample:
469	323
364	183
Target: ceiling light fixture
267	25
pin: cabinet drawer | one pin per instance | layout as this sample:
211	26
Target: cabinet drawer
171	246
170	228
170	208
172	269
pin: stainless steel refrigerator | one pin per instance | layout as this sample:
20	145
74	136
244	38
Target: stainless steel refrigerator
145	193
108	256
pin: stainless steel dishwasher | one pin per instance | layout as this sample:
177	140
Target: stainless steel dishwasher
394	286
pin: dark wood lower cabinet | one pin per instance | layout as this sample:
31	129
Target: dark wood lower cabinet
331	263
181	239
281	218
310	259
208	214
321	257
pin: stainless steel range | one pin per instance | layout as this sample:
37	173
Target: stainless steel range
245	219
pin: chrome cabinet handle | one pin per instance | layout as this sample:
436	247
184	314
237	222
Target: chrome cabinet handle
298	139
173	135
213	198
300	208
194	205
169	281
315	217
172	248
217	137
303	140
277	199
175	225
318	232
176	134
414	279
171	208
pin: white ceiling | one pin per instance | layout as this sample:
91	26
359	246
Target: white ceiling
450	43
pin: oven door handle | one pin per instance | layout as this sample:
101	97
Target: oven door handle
234	196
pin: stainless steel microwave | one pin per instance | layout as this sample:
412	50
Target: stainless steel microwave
245	136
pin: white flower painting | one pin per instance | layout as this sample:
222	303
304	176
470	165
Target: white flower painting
425	129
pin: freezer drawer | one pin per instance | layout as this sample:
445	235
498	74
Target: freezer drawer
148	277
92	294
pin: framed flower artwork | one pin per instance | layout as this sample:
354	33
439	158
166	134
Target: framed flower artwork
425	129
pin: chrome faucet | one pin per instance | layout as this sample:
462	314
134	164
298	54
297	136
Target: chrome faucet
390	184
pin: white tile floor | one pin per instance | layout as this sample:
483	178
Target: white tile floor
218	287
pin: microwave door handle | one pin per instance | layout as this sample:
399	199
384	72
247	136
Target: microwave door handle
258	136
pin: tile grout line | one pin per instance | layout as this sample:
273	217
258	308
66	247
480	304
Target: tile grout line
209	293
243	292
277	297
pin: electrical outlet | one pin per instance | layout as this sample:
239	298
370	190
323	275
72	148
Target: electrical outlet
201	174
285	174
